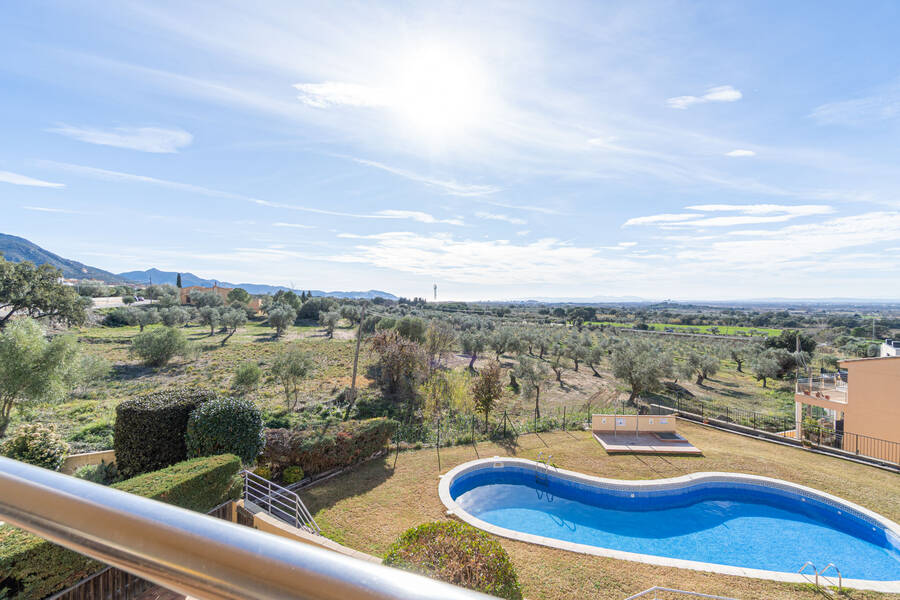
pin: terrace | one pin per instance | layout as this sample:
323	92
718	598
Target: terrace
830	387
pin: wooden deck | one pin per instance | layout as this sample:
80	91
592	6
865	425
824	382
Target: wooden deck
643	443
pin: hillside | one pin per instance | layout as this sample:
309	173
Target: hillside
189	279
18	249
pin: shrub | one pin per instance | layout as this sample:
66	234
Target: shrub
459	554
225	425
292	474
98	435
156	348
321	449
36	444
105	473
246	377
120	317
33	568
149	431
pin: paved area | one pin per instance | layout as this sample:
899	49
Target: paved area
643	443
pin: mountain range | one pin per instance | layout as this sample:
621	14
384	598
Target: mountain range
17	249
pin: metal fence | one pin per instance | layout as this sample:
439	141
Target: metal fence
279	502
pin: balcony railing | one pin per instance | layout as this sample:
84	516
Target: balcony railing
832	387
190	553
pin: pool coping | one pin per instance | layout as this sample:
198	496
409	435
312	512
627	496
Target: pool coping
456	510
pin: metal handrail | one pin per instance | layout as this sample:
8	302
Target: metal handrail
656	588
265	494
191	553
832	566
815	571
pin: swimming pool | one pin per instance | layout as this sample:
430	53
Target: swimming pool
723	522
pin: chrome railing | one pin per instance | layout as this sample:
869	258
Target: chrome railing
279	502
191	553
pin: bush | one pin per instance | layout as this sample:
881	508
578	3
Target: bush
292	475
318	450
459	554
149	431
225	425
97	435
36	444
246	377
120	317
105	473
33	568
156	348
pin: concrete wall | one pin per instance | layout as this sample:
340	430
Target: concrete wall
75	461
632	422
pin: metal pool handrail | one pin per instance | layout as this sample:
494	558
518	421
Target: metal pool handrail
190	553
832	566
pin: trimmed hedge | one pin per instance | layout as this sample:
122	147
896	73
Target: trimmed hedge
149	431
459	554
32	568
318	450
231	425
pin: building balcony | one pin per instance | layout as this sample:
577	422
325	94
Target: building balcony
828	387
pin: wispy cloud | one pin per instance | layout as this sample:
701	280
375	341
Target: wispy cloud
798	210
145	139
16	179
661	218
499	217
293	225
858	111
749	214
337	93
50	210
108	175
739	153
448	186
722	93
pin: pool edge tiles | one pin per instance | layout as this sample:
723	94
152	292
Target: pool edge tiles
646	487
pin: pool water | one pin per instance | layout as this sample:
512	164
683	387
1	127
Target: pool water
736	524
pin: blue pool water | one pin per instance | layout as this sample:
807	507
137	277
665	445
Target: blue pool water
736	524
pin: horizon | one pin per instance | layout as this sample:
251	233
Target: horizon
661	151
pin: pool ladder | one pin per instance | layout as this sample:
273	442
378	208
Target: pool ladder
545	471
821	574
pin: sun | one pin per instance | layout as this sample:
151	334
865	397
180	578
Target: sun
440	92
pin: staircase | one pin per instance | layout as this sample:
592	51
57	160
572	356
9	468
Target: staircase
281	503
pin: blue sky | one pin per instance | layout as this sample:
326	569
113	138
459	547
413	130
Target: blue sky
712	150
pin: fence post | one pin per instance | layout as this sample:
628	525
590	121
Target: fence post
504	423
564	419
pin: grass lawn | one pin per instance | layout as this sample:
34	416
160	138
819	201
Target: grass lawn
369	507
679	328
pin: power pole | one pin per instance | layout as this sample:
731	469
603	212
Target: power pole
352	398
435	292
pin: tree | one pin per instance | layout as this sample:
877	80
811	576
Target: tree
289	298
313	306
412	328
231	320
281	317
178	281
209	316
32	369
157	347
739	353
246	378
239	295
351	313
439	340
473	343
641	364
174	316
702	365
201	299
329	320
401	360
533	374
291	366
501	340
487	389
36	292
765	366
787	340
146	317
577	348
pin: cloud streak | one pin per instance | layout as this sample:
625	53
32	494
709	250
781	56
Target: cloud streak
16	179
144	139
448	186
722	93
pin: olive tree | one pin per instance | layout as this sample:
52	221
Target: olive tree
239	295
32	368
157	347
210	317
37	293
533	374
146	317
328	321
439	340
487	389
641	364
291	366
231	320
473	343
281	317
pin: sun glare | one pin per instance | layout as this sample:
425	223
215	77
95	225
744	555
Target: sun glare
440	92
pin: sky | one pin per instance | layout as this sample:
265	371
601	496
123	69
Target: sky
501	150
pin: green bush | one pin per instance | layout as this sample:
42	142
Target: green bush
149	431
105	473
157	347
292	475
120	317
225	425
318	450
33	568
98	435
459	554
246	377
36	444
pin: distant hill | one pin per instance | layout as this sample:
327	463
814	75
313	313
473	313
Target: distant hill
189	279
18	249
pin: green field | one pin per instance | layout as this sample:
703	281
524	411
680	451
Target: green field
719	329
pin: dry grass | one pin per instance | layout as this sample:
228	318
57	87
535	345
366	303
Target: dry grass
370	507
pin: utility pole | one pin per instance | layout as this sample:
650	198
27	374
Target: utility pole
435	292
352	399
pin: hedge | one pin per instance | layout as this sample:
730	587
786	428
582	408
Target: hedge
232	425
149	431
318	450
459	554
32	568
